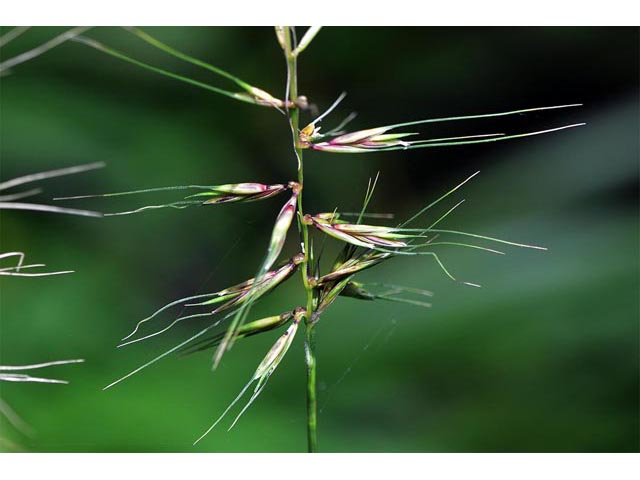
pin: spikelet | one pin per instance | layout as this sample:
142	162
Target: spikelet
265	369
377	139
207	195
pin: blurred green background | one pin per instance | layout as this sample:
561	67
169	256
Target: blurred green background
544	357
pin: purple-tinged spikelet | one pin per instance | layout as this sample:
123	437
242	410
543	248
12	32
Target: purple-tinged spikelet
367	236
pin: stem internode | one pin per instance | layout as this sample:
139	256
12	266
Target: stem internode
310	357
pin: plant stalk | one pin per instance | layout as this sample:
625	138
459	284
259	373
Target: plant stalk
312	403
310	357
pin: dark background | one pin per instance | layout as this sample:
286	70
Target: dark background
544	357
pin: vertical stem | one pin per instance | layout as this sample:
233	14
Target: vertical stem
312	404
310	358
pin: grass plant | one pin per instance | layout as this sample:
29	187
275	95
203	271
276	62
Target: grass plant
364	244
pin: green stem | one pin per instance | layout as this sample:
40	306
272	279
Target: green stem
310	358
312	403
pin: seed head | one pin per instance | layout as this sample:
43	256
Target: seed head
357	290
226	299
207	194
353	265
263	98
240	192
372	139
248	329
367	236
264	324
362	141
281	227
330	293
264	284
266	368
279	349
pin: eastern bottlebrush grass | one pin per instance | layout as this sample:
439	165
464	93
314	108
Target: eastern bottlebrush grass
18	270
7	372
224	299
13	373
8	64
365	245
21	269
213	194
8	202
